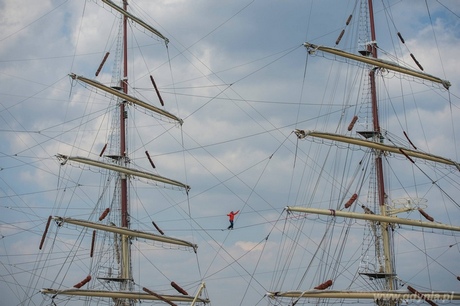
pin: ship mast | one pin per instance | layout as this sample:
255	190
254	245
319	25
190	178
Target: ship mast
124	86
381	218
125	240
125	294
384	226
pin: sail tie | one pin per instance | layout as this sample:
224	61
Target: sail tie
427	216
104	214
343	30
103	150
157	91
45	232
83	282
150	159
324	285
158	229
351	200
411	289
178	288
407	137
158	296
352	123
102	63
93	241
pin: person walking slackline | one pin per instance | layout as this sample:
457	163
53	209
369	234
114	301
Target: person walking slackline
231	217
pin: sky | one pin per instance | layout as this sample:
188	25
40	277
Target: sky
238	75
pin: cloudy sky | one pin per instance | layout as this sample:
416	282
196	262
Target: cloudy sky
237	74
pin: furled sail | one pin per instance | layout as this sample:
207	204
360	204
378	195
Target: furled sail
373	217
123	295
378	146
125	170
126	97
125	231
378	63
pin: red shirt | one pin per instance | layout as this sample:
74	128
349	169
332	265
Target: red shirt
232	214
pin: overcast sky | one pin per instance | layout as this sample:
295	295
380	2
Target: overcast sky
235	72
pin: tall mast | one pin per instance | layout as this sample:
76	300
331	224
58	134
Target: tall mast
125	243
384	226
120	230
124	86
378	268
